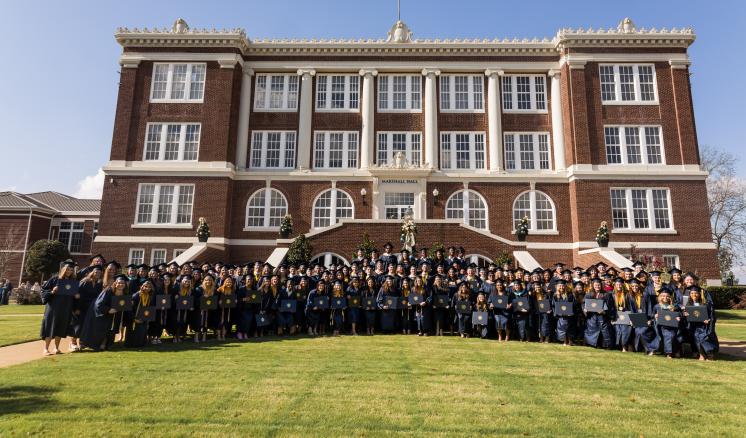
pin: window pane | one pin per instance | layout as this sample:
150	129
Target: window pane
277	86
338	92
256	149
178	81
320	150
322	210
416	149
197	83
383	92
477	211
354	94
352	150
619	209
289	150
455	206
660	209
153	141
273	149
415	95
260	94
653	145
613	146
173	136
607	83
526	147
255	210
184	211
479	151
478	93
523	83
462	151
507	92
277	208
640	208
400	92
627	81
191	143
632	138
647	88
382	150
321	91
445	92
344	206
160	81
145	203
292	102
165	204
461	89
509	151
521	209
540	92
336	145
544	212
445	151
543	151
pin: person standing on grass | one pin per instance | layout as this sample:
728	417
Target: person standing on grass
2	291
353	313
316	316
102	322
226	290
370	291
623	302
598	324
89	289
668	335
564	324
463	319
521	317
137	330
704	338
58	308
285	319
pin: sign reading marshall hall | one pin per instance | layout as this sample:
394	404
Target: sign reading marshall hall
347	135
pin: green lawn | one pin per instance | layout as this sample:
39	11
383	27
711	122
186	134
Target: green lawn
731	324
371	386
15	309
16	329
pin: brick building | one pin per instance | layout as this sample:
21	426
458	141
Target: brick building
346	135
26	218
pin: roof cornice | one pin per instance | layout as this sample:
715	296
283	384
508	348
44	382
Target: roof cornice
624	35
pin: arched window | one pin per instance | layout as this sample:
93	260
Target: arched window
265	208
327	259
469	206
478	259
539	209
331	206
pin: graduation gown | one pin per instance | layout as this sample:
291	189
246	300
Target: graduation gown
137	332
423	315
88	293
668	336
353	313
501	317
389	317
58	311
703	335
623	333
100	325
285	319
642	336
521	319
370	313
599	324
462	320
564	324
315	317
246	311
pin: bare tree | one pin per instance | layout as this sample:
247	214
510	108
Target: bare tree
10	244
726	195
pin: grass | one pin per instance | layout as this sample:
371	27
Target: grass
731	324
17	328
371	386
15	309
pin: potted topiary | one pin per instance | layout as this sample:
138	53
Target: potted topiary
203	230
521	230
286	226
602	235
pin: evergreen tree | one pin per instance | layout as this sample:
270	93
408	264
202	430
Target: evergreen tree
300	251
44	257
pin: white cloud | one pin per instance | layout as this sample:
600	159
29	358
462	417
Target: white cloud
91	186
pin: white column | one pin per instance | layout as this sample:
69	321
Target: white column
558	136
431	117
244	110
304	124
368	135
494	119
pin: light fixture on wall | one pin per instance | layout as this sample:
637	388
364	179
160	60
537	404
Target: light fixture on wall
436	194
363	192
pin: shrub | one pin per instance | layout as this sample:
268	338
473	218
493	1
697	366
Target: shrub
300	251
26	296
44	258
726	297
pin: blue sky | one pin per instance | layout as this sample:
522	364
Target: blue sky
60	71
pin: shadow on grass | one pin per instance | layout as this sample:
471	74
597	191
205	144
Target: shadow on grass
24	399
188	344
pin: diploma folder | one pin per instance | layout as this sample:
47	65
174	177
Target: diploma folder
287	306
594	305
228	301
208	303
68	287
370	303
463	307
479	318
122	303
393	303
262	320
544	306
622	319
254	297
563	308
321	302
353	301
696	313
520	304
416	299
163	302
339	303
499	301
441	301
184	303
638	320
145	314
667	318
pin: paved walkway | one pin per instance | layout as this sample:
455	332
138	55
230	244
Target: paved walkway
29	351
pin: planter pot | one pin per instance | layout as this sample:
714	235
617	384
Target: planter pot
603	243
284	234
202	239
521	237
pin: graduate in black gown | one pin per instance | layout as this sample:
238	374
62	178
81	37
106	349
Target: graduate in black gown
182	316
58	308
285	318
316	316
103	322
440	314
226	290
423	313
703	336
463	319
641	336
247	310
89	289
598	325
353	313
389	316
563	296
622	303
338	315
667	335
205	319
137	329
480	328
370	291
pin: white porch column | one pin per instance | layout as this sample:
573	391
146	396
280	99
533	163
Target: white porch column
244	109
494	119
431	117
304	124
558	136
368	135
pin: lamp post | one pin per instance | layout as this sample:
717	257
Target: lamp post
363	192
436	194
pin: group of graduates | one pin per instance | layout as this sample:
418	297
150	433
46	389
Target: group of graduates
627	309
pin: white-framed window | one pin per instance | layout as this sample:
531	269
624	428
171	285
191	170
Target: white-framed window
136	256
391	143
172	141
178	82
276	92
95	230
266	208
337	92
273	150
479	260
164	204
641	209
538	208
157	256
524	93
462	150
468	206
402	93
671	260
331	206
462	93
178	252
628	84
335	149
397	204
527	151
634	145
327	259
71	235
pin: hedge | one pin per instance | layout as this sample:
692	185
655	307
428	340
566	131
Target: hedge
723	296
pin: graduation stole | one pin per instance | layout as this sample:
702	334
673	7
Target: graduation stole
183	291
481	307
405	292
620	299
209	292
273	290
638	300
145	298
